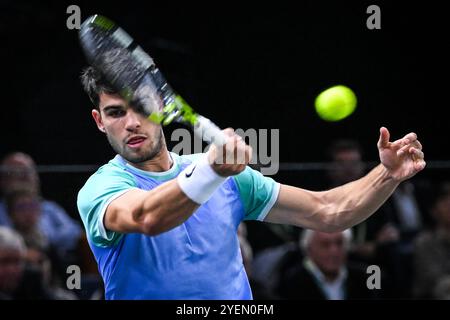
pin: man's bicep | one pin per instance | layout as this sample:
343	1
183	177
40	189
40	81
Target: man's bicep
296	206
122	213
94	198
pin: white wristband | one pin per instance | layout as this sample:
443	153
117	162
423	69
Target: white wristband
199	180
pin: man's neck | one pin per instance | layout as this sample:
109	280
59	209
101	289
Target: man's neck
159	163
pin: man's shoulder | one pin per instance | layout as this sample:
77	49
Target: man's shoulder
106	174
113	168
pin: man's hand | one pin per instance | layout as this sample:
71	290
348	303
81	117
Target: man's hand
234	156
403	158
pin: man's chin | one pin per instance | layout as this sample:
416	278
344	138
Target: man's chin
143	153
135	157
138	156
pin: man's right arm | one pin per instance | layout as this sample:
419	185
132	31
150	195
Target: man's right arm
149	212
170	204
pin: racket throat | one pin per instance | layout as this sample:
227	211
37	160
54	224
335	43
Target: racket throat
176	110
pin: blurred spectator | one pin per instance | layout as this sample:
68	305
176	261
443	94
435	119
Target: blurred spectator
259	290
17	280
246	249
346	162
323	273
24	212
271	263
23	209
18	172
346	166
408	217
432	252
48	230
386	238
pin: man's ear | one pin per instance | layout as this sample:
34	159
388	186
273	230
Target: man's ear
98	120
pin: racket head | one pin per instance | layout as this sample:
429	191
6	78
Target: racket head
123	63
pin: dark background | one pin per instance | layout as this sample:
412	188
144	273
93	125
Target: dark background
252	66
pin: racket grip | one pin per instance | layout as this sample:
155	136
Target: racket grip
209	132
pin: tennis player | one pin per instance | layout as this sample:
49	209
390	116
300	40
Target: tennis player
163	226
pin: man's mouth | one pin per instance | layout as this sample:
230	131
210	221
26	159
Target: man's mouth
135	142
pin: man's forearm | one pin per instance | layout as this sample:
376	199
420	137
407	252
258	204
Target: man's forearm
345	206
353	202
165	208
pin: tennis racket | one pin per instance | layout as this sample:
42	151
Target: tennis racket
132	72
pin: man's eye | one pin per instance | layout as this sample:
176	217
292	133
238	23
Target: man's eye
116	113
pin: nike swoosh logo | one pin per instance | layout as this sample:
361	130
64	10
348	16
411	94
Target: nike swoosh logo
190	173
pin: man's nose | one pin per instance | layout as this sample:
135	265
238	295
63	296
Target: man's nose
133	121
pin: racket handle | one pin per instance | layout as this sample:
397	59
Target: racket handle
209	132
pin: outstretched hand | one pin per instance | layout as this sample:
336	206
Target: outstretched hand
403	158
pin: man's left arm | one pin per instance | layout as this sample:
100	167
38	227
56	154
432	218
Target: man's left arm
347	205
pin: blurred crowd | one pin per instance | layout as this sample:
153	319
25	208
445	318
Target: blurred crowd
39	240
407	239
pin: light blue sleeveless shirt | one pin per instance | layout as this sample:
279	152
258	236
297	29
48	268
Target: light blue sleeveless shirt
200	259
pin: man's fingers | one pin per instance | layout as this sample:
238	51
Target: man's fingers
402	150
229	132
399	143
240	151
410	137
236	151
420	165
249	154
383	142
417	145
414	148
405	142
233	157
417	154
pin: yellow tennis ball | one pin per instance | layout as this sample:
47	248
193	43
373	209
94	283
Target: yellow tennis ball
335	103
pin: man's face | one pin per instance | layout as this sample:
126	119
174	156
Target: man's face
11	269
20	174
130	134
328	252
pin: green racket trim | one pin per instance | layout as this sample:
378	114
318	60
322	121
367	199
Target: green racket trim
127	94
103	22
178	109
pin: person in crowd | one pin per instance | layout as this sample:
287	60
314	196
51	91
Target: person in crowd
432	252
18	172
324	273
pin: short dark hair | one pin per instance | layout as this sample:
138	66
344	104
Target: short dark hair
94	84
